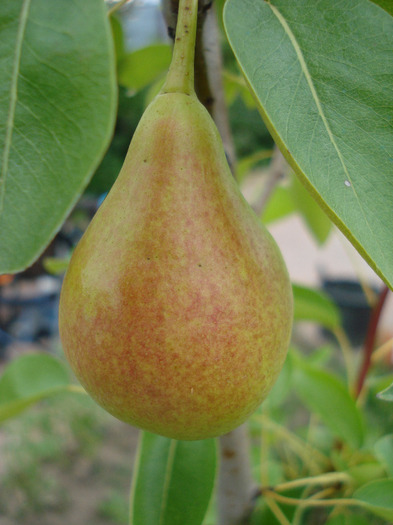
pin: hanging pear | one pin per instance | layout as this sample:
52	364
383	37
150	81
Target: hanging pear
176	308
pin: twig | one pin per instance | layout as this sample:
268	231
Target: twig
328	478
383	351
276	171
346	350
370	339
208	68
312	457
276	510
234	481
312	502
118	5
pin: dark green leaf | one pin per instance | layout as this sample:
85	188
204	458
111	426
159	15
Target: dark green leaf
173	481
385	4
57	108
377	497
29	379
323	75
313	305
326	396
348	519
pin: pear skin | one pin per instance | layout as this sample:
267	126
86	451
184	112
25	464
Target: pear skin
176	308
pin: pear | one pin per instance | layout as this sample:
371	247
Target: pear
176	309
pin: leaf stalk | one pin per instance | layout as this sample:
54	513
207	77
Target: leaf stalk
180	78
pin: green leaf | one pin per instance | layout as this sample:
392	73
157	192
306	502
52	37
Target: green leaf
323	75
384	452
57	108
29	379
326	396
365	472
246	164
313	305
348	519
385	4
118	38
316	219
56	265
279	205
235	85
281	388
387	394
377	497
173	481
140	68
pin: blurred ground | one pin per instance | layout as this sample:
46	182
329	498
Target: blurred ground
66	462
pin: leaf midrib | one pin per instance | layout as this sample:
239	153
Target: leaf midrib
13	97
167	479
315	97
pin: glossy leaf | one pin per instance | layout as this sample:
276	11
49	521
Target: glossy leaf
57	108
313	305
377	497
326	396
173	481
29	379
323	75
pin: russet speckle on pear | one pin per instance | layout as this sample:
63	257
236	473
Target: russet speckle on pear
176	308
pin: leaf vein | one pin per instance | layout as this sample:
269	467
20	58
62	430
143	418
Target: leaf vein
318	104
167	479
13	98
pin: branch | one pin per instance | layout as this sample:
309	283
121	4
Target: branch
370	339
234	482
276	171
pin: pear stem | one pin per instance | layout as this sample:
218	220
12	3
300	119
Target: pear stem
180	78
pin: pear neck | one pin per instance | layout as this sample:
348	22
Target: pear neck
180	77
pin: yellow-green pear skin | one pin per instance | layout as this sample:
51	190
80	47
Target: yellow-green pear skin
176	309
